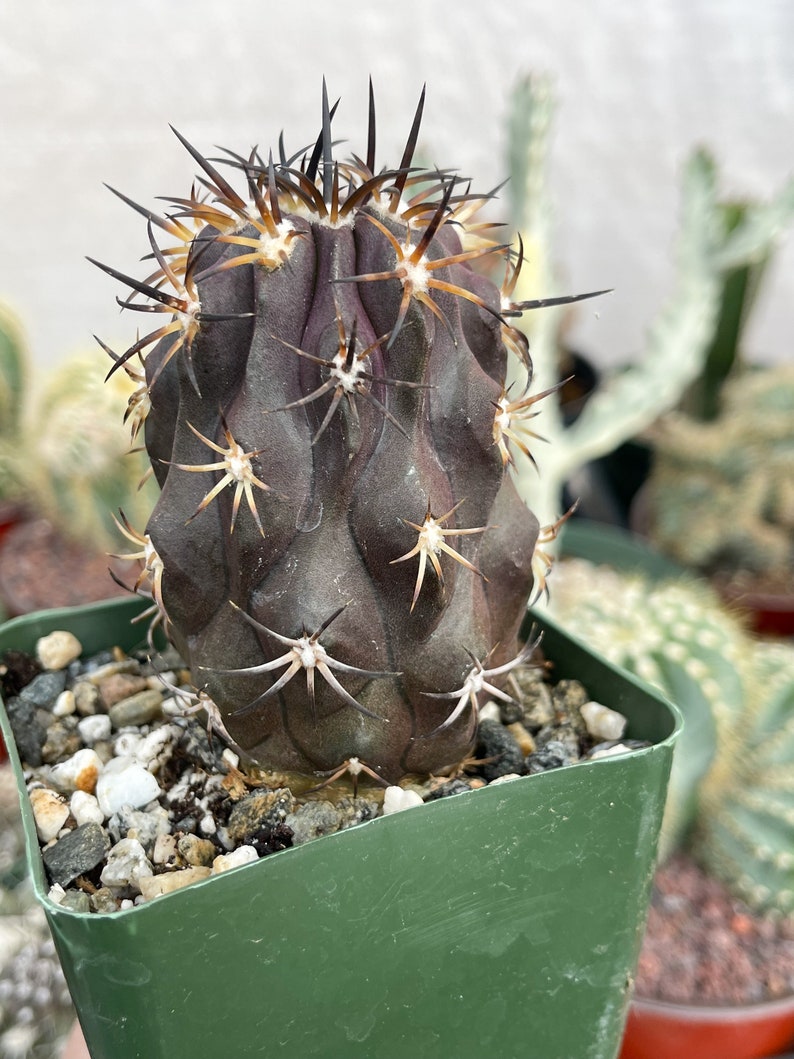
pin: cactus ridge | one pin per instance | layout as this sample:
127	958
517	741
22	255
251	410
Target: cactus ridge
328	378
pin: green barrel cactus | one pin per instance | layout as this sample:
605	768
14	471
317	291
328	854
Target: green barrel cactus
338	548
731	793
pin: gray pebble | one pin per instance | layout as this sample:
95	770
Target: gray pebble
259	811
553	755
137	709
354	811
312	820
62	740
494	741
76	853
103	900
140	824
446	790
30	734
44	689
76	901
86	698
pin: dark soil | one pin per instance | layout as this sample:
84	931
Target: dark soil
704	946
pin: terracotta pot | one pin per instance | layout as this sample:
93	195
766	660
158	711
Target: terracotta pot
658	1030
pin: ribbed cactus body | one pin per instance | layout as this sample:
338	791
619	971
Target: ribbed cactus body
731	790
347	417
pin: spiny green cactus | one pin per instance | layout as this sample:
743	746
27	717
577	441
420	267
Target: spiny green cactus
712	246
721	494
62	453
731	793
338	548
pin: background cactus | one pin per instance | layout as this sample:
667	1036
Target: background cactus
731	794
716	249
338	547
720	496
62	454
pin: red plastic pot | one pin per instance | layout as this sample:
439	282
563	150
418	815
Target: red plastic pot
658	1030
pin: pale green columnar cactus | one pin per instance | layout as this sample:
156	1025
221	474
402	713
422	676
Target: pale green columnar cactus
721	494
731	793
62	451
745	828
627	401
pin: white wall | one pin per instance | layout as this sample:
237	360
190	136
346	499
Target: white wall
88	88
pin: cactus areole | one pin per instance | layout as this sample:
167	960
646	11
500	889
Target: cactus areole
338	548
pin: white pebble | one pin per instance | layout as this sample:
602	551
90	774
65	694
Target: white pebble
85	808
56	893
126	865
155	748
58	649
507	778
601	722
50	812
610	751
241	855
208	825
79	772
489	711
229	758
395	799
125	782
95	728
127	743
171	880
64	704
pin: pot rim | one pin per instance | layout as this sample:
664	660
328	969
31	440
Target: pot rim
702	1012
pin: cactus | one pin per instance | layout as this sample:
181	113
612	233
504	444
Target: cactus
62	453
731	793
720	496
713	246
338	548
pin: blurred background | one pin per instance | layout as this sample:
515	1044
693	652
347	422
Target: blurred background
89	89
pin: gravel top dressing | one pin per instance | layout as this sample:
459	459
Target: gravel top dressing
136	792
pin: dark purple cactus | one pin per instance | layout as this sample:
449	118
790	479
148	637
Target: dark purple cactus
338	548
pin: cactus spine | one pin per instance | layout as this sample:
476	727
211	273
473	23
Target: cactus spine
338	545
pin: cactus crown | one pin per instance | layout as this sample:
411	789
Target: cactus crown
338	544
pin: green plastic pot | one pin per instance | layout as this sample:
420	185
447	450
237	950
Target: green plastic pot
506	921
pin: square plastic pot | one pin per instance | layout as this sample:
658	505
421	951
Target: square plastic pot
505	921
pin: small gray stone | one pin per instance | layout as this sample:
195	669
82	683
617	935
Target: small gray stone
137	709
259	811
77	853
30	734
354	811
495	742
563	734
104	900
312	820
143	826
553	755
76	901
126	865
44	689
63	740
86	698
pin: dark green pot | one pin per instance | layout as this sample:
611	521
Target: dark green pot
503	922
